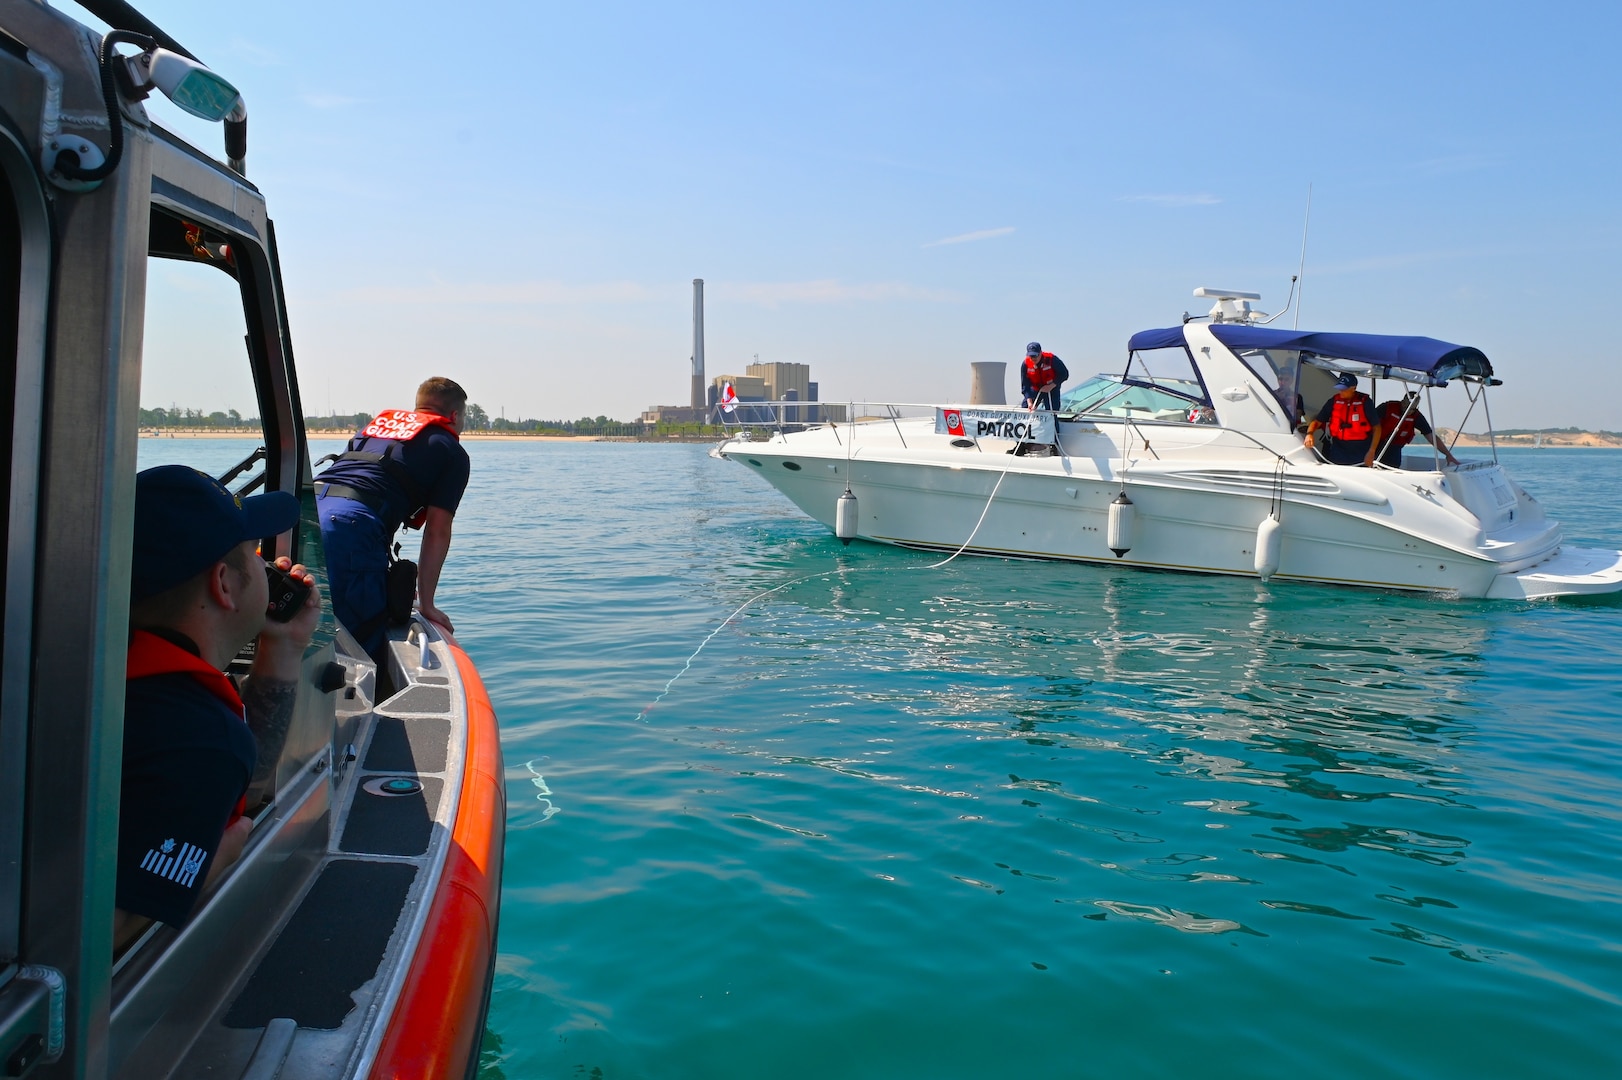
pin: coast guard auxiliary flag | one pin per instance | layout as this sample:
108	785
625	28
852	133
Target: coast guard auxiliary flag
729	398
1018	424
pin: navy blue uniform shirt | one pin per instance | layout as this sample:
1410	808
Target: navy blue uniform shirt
187	761
435	460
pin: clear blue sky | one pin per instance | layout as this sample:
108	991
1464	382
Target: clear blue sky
519	195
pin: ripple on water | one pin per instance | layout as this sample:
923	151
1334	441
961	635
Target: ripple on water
999	817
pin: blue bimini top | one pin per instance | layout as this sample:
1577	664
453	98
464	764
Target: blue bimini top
1419	359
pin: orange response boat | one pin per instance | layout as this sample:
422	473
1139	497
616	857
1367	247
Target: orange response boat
356	935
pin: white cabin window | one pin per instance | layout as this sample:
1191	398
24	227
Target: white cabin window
1279	371
199	405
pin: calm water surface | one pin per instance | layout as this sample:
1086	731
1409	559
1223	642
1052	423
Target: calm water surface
1026	820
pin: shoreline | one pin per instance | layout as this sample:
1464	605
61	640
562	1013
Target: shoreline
1565	440
1575	440
471	436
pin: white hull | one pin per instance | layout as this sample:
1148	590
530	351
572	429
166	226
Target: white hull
1199	495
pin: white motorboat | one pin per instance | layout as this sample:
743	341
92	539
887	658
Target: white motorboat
1192	460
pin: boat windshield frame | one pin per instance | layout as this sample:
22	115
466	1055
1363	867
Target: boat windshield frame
1190	391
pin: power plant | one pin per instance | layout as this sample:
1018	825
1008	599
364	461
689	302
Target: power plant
759	383
782	382
697	400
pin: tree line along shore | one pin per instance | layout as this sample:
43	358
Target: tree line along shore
197	424
1548	438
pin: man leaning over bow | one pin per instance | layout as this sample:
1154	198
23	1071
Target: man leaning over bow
406	467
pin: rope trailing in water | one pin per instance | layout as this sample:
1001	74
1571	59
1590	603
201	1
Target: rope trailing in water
842	570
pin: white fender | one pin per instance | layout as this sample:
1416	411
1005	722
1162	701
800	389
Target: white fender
1118	536
845	517
1269	539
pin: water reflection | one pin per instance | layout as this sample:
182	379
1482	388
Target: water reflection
1334	695
1278	719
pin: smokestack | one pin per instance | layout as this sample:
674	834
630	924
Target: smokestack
987	381
698	401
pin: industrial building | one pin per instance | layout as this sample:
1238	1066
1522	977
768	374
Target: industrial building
759	383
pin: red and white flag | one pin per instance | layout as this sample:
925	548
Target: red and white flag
729	398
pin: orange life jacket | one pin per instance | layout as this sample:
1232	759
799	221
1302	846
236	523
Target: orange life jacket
1039	370
1392	425
1349	421
403	425
399	425
150	655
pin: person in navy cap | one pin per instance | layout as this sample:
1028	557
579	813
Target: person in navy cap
1353	427
1041	378
198	594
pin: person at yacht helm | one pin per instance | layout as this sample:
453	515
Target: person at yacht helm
1040	378
1354	430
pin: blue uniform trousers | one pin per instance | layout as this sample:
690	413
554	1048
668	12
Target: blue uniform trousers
357	568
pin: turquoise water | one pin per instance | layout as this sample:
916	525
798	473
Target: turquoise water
1014	819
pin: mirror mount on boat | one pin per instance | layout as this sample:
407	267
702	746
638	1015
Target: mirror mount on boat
194	89
76	165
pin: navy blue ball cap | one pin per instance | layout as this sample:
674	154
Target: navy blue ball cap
1344	381
186	521
1033	349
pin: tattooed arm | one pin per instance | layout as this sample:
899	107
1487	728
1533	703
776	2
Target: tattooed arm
269	704
271	690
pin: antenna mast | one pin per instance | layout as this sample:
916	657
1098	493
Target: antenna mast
1301	273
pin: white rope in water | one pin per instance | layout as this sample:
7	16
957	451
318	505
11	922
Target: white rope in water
842	570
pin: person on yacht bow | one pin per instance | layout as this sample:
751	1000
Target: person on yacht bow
1400	421
1348	417
1041	378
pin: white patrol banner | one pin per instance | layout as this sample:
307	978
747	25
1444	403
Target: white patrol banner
1036	427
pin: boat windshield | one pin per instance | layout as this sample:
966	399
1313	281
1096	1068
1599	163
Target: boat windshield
1280	371
1110	397
1159	384
1091	393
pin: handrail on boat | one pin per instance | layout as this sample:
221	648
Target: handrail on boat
892	415
435	1029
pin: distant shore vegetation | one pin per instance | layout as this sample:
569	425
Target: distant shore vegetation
1557	431
477	420
480	422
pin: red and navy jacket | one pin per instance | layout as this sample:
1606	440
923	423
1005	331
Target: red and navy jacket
188	757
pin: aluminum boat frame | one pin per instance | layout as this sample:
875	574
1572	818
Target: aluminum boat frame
356	935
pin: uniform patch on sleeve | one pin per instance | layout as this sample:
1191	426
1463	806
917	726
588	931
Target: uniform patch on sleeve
179	866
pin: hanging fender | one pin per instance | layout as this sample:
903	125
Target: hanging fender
1269	541
1118	535
845	517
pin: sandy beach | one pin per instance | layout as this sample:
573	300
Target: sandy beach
1589	440
472	436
